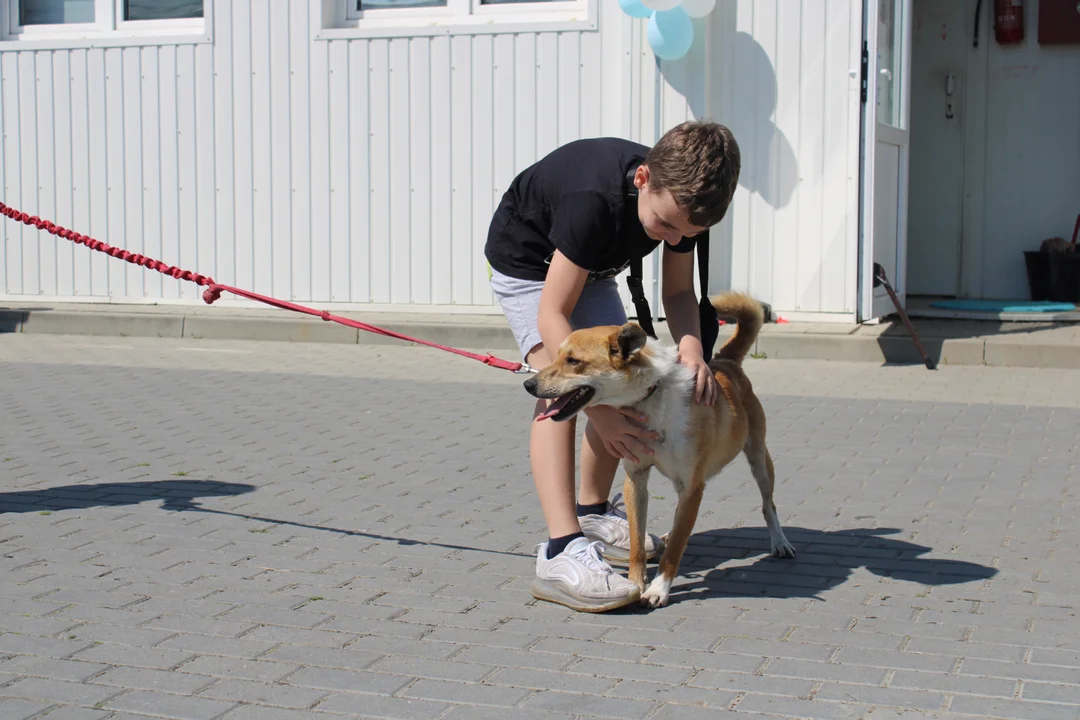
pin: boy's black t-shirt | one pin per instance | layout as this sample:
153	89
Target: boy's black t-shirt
579	199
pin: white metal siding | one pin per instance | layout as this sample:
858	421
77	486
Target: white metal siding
348	171
365	171
782	82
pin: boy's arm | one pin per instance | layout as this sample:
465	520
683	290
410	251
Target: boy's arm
562	288
681	308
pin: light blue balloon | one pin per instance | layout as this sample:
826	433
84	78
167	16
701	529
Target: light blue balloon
671	33
635	9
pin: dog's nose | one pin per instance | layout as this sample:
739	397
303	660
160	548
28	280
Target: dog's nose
530	386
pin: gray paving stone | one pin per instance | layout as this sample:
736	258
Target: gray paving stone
679	694
218	666
949	682
146	679
12	708
37	645
893	697
590	705
927	565
840	672
800	708
168	705
348	680
155	658
471	693
36	666
1018	709
397	708
747	682
1048	692
71	712
458	669
248	691
471	712
59	691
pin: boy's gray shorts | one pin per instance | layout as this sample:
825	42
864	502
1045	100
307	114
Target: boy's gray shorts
599	304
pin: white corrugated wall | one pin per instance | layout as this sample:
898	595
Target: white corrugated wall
781	79
364	171
347	171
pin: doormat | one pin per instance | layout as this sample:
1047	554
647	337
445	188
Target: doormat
1012	306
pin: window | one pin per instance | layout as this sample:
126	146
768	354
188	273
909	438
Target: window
456	11
348	19
92	19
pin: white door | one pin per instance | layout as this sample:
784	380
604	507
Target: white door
941	35
884	153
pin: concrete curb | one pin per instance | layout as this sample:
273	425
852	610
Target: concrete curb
1036	345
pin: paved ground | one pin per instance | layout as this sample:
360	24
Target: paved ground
272	531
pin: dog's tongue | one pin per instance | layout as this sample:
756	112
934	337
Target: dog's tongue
555	407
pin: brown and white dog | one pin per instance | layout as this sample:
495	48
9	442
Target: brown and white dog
613	365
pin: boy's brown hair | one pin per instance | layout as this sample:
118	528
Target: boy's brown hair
698	162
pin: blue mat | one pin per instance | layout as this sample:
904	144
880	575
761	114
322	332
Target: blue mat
1012	306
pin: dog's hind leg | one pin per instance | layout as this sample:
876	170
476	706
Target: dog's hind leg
761	466
636	492
686	513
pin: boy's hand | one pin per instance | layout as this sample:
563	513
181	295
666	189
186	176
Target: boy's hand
621	432
706	388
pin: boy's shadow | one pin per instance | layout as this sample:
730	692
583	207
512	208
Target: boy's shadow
175	494
824	560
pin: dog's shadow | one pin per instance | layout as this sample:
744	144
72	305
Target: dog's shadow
737	563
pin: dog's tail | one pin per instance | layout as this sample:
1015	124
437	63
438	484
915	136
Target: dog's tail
750	316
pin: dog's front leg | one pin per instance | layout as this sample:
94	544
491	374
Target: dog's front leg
636	492
685	516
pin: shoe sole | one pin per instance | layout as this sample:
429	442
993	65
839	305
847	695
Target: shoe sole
549	592
618	557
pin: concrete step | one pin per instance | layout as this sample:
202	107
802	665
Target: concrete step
949	342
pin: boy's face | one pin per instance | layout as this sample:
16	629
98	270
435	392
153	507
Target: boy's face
659	214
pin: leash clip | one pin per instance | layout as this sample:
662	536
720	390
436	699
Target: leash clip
525	369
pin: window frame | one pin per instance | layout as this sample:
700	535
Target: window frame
339	19
107	30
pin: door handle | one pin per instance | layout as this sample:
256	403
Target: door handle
950	86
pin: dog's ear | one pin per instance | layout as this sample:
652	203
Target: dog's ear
627	341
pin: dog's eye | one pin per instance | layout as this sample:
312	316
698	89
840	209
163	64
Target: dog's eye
571	360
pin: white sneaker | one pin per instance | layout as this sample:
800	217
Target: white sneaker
579	578
612	530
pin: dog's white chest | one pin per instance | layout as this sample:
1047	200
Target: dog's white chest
672	454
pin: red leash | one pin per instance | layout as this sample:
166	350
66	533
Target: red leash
213	290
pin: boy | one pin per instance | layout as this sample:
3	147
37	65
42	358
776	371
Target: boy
562	232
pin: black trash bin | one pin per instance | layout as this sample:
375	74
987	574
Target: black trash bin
1055	276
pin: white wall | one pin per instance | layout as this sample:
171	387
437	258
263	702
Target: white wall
364	171
781	81
359	171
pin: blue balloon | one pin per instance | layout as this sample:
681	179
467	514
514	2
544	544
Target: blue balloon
671	33
635	9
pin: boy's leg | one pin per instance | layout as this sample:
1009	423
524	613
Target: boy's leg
569	570
551	455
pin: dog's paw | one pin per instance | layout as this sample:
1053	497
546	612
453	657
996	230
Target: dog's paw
657	594
783	549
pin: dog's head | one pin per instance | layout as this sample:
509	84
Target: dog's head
595	366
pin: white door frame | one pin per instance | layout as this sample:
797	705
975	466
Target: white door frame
874	302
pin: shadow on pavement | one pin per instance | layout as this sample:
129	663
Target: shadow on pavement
825	560
175	494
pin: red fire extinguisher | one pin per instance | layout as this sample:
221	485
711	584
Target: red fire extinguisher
1008	21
